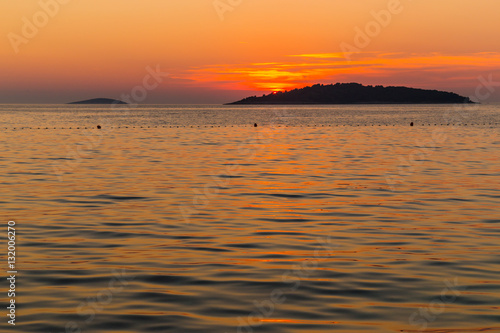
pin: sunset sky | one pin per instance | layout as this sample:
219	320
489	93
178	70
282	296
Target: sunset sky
216	52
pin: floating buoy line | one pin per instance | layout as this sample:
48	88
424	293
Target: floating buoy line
255	125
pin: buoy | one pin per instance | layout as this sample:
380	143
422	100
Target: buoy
255	125
411	124
98	126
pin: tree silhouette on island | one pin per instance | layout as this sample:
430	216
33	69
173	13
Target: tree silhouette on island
355	93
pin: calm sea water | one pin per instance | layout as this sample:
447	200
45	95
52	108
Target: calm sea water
190	219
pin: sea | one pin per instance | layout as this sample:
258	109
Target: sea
272	219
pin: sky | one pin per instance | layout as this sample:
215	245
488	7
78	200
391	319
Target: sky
218	51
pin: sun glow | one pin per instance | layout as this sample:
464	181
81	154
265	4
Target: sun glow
448	71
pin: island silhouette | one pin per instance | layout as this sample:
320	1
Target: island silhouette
356	93
100	101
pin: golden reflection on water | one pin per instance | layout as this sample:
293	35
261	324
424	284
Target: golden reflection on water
261	202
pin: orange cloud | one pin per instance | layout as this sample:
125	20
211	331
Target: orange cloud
428	71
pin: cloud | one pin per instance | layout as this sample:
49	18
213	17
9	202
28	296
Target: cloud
434	70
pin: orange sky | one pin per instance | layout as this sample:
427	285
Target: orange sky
92	48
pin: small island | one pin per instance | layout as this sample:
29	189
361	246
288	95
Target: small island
100	101
355	93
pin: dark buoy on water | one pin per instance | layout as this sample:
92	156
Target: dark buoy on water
98	126
411	124
255	125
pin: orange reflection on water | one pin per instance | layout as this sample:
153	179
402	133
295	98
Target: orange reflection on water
305	204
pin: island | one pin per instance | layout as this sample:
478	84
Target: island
355	93
100	101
